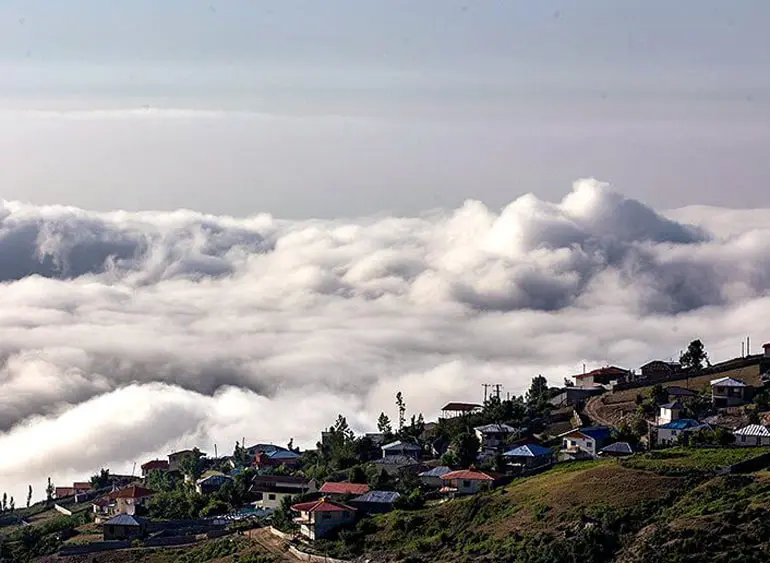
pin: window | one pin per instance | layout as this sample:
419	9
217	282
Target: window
589	443
271	497
466	484
326	516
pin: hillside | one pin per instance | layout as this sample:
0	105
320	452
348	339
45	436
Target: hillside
604	510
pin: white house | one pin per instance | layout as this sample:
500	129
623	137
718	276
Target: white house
752	435
274	488
493	437
669	412
586	440
465	482
316	519
671	433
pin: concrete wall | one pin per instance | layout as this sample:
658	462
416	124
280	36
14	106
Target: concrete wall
94	547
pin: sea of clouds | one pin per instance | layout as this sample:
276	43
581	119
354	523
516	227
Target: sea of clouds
124	336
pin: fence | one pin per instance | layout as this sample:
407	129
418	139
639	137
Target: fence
302	556
168	541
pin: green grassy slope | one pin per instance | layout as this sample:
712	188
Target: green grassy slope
591	512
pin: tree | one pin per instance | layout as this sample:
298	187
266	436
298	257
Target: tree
401	410
694	357
12	505
450	459
658	395
49	490
191	465
357	475
466	446
240	455
101	479
290	445
383	425
538	396
29	496
4	505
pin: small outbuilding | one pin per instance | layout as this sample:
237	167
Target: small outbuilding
530	456
752	435
375	502
618	449
124	526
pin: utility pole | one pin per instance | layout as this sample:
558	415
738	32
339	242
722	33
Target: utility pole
486	386
497	387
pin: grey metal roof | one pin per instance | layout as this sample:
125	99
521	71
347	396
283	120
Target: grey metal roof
436	471
753	430
495	428
385	497
401	445
619	448
395	460
673	405
125	520
528	450
728	382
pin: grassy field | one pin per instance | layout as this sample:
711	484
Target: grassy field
675	459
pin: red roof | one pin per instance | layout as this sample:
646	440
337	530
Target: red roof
64	491
322	505
134	491
83	486
610	370
468	474
331	488
155	464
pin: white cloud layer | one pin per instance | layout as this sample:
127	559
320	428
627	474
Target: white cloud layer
126	335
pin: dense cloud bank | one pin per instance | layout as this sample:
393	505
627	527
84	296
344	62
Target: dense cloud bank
126	335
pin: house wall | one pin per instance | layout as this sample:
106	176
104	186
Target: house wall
728	396
468	486
112	532
432	481
321	523
749	441
273	500
573	443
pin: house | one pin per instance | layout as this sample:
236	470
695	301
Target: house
129	499
77	488
493	437
728	392
333	489
61	492
393	464
465	482
668	412
377	438
454	409
587	440
671	433
618	449
433	477
530	456
211	481
316	519
575	395
375	502
681	394
400	447
605	376
123	527
154	465
175	459
658	370
276	458
272	489
752	435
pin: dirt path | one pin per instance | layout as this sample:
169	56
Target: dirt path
271	543
592	411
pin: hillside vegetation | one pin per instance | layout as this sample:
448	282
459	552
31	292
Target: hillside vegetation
645	509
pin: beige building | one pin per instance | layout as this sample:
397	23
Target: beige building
316	519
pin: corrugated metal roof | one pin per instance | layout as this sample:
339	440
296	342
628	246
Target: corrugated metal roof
619	448
753	430
495	428
401	445
439	471
528	450
395	460
125	520
385	497
728	382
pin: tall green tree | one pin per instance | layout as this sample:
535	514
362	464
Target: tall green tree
695	357
4	505
466	447
29	496
383	425
101	479
12	505
401	404
49	490
538	396
191	465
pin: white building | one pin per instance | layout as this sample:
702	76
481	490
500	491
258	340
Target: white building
669	412
587	440
316	519
752	435
671	433
274	488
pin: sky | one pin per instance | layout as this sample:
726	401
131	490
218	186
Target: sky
229	219
353	107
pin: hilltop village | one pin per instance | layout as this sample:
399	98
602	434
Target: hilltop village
460	485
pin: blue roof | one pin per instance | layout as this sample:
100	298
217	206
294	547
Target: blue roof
386	497
282	454
681	424
596	432
436	471
528	450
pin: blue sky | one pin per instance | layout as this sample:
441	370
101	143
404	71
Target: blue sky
484	99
